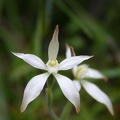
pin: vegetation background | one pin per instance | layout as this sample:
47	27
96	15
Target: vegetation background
92	27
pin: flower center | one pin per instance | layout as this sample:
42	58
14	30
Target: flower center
80	72
52	63
52	66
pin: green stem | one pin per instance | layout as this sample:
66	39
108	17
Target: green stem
49	102
66	111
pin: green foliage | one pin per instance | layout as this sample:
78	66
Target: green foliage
91	27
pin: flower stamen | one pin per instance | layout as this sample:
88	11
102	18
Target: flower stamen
52	66
81	71
52	63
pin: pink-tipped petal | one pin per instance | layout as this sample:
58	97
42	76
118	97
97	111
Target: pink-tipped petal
68	51
32	60
98	95
69	90
54	45
33	89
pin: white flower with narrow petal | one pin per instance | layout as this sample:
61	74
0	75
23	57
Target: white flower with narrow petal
82	72
36	84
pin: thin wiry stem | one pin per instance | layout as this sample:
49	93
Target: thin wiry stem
66	111
49	102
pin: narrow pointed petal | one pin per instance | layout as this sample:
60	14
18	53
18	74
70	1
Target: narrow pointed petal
54	45
69	51
93	73
98	95
77	84
32	60
74	70
72	61
33	89
69	90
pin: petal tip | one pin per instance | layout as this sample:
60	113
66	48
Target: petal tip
22	109
105	79
20	55
14	53
78	109
11	52
91	56
56	29
57	26
113	113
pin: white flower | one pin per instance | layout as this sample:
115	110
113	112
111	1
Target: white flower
36	84
82	72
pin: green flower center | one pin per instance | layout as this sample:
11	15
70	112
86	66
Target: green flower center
52	63
52	66
80	72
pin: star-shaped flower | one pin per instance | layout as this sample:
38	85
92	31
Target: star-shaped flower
36	84
82	72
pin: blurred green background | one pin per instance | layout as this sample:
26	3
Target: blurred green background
92	27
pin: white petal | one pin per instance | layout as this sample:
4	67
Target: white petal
69	90
54	45
33	89
74	71
98	95
93	73
77	84
32	60
68	55
68	51
72	61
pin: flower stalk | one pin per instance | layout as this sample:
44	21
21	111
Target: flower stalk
66	111
49	103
